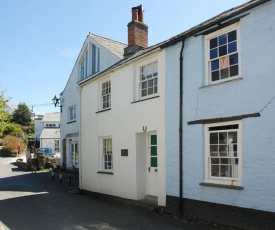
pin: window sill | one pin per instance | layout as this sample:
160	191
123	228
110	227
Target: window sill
69	122
145	99
105	172
222	82
104	110
222	186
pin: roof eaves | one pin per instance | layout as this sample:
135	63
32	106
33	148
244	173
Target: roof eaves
214	20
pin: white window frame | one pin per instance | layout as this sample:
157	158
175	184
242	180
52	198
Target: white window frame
106	150
105	92
217	33
89	63
95	59
142	69
72	113
57	145
224	180
83	66
74	150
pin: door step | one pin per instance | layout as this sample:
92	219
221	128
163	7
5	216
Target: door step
153	199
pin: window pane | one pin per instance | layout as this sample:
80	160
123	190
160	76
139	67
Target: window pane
150	91
144	85
222	137
224	161
214	161
214	170
213	53
215	75
150	83
232	36
235	149
213	138
232	47
213	43
234	70
223	150
144	93
153	150
232	137
224	171
214	150
224	62
153	139
155	89
215	65
222	50
224	73
233	59
222	39
154	162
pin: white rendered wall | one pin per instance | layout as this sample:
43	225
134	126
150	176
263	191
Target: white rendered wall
71	97
244	96
124	124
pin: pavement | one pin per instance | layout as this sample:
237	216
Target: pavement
40	201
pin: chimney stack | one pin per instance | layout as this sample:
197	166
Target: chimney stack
137	32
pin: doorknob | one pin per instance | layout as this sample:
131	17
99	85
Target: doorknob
148	169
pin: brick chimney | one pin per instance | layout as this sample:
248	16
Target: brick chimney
137	32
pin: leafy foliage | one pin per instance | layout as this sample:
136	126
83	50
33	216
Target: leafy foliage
10	129
22	115
4	116
11	143
17	128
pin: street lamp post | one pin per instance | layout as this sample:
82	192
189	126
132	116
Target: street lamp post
56	102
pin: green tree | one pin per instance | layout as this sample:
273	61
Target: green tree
4	116
22	115
7	128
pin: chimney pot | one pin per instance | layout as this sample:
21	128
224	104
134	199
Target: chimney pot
140	13
135	14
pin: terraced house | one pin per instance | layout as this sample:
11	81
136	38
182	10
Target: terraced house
187	123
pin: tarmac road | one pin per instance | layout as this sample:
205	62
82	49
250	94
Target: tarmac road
32	201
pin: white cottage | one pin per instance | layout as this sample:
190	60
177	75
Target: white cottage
97	54
123	122
226	153
50	136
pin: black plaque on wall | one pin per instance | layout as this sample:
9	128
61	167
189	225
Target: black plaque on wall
124	152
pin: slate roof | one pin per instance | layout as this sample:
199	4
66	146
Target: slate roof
115	47
51	117
50	133
210	23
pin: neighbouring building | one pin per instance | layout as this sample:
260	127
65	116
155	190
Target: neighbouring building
9	107
50	136
97	54
38	127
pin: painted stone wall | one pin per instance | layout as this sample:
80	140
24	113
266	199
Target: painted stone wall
250	94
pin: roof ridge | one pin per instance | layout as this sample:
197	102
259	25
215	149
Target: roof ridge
111	40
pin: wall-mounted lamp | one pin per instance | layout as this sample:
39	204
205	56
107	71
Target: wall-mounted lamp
56	102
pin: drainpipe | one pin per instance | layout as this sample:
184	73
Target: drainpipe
181	131
80	140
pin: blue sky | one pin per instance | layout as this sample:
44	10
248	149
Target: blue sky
40	40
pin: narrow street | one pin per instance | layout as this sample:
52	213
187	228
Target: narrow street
34	201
